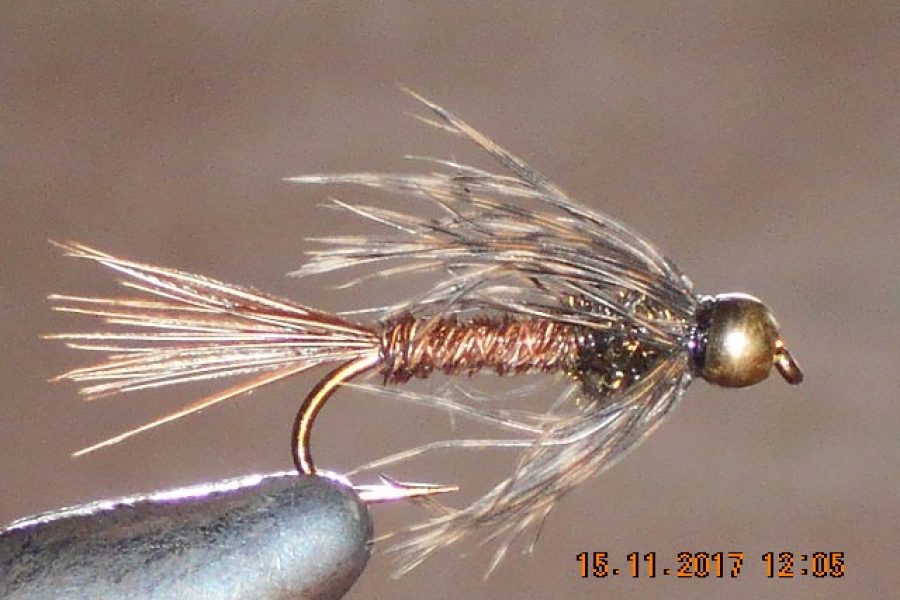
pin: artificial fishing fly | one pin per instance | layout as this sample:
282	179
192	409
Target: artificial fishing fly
532	282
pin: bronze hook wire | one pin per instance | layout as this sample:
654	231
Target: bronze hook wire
786	364
390	490
314	402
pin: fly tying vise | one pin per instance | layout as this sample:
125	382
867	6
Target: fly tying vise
533	283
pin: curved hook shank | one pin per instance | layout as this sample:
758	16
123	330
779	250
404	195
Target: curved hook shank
314	402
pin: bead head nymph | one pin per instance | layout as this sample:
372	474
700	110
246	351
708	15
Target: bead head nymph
737	342
528	281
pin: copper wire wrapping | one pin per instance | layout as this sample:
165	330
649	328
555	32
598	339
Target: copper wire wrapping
415	348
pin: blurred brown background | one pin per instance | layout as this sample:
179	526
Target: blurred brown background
757	142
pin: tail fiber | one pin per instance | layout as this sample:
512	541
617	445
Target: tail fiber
182	327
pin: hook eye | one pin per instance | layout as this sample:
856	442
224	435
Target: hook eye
786	364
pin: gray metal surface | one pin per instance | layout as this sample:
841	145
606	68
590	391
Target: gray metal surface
278	536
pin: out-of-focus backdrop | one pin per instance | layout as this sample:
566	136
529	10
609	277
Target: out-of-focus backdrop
757	143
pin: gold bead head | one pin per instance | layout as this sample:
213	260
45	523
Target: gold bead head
737	343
